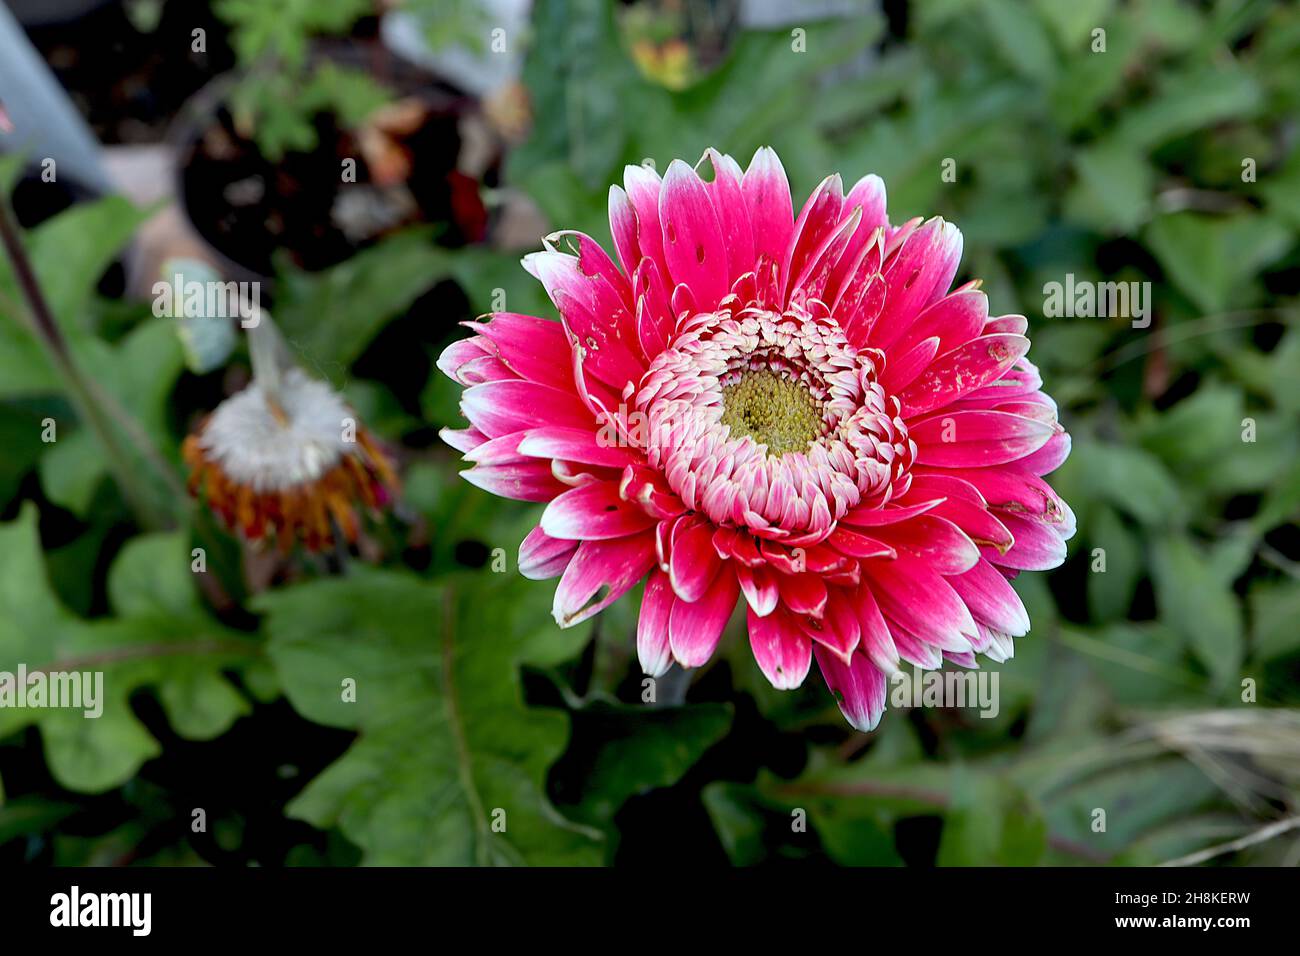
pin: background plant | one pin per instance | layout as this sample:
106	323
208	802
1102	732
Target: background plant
283	86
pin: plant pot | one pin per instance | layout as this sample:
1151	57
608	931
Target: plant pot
43	13
248	208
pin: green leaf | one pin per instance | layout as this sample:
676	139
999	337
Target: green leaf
141	372
1199	604
865	838
449	766
482	271
1190	100
640	748
1135	796
1282	500
1110	592
1113	190
1074	22
1284	373
1274	615
331	316
1142	664
1209	258
990	823
161	638
72	251
1212	415
1020	38
737	820
1131	480
20	437
1281	193
69	253
575	40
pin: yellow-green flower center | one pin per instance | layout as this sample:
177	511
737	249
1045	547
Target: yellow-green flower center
773	410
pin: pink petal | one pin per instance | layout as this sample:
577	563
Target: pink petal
868	195
961	658
839	631
929	484
979	524
650	490
643	187
591	512
919	274
938	542
542	557
694	628
460	353
654	315
961	371
876	517
575	444
499	451
862	295
599	574
902	369
803	593
1049	457
991	599
1020	381
1014	324
693	562
783	652
968	439
593	261
498	408
918	598
623	228
771	209
485	368
855	545
536	349
859	688
812	282
818	221
1038	546
956	319
997	646
693	246
463	440
524	481
597	318
1013	490
759	588
876	641
727	195
913	650
652	648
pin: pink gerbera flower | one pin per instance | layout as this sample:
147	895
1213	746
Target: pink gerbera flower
796	411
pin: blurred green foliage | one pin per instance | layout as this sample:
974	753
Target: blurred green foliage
282	87
483	734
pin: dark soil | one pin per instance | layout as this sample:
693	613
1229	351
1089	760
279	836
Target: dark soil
129	83
248	207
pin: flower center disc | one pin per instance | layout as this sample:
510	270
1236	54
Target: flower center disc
773	410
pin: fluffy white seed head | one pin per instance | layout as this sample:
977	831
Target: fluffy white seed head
272	449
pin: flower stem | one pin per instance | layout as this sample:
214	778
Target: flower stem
95	406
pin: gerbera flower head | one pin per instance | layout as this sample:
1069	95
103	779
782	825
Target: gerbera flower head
794	411
286	457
